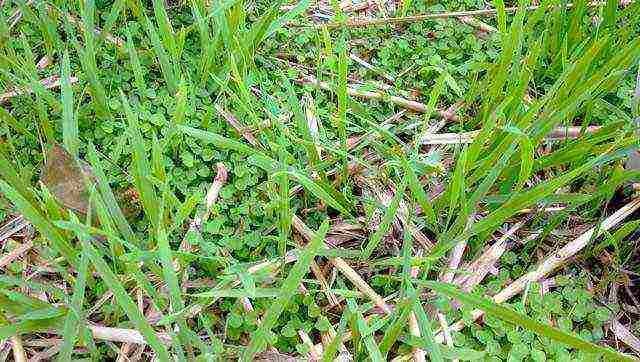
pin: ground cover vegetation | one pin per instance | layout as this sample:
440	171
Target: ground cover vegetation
377	180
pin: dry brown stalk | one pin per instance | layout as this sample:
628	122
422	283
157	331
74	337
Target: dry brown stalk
622	333
558	133
399	101
12	227
43	62
19	355
233	121
15	253
454	261
49	82
553	261
110	38
212	195
312	121
482	26
343	267
123	335
402	215
455	14
481	266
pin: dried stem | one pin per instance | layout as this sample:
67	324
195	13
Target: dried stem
343	267
49	82
559	133
233	121
455	14
399	101
553	261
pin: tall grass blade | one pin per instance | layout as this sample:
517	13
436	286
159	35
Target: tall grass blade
70	133
40	222
288	289
72	323
141	167
122	297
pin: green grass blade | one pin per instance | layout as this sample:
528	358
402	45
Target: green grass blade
365	332
136	67
288	289
420	194
109	198
70	133
122	297
74	316
165	28
516	318
395	329
332	348
40	222
141	167
300	8
263	161
166	68
316	190
387	219
343	104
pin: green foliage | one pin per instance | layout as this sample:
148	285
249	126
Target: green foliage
143	114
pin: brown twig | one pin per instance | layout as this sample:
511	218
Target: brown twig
233	121
343	267
559	133
455	14
399	101
49	82
552	261
16	253
622	333
480	267
123	335
12	227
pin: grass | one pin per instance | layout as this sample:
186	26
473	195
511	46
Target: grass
175	260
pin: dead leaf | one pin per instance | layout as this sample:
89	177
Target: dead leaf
65	179
623	334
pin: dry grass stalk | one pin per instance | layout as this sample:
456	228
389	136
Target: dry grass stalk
559	133
399	101
16	16
45	355
19	355
385	197
44	62
49	82
124	352
331	296
12	227
110	38
312	121
370	67
123	335
343	267
622	333
454	261
455	14
480	268
210	200
480	25
553	261
315	351
233	121
15	253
